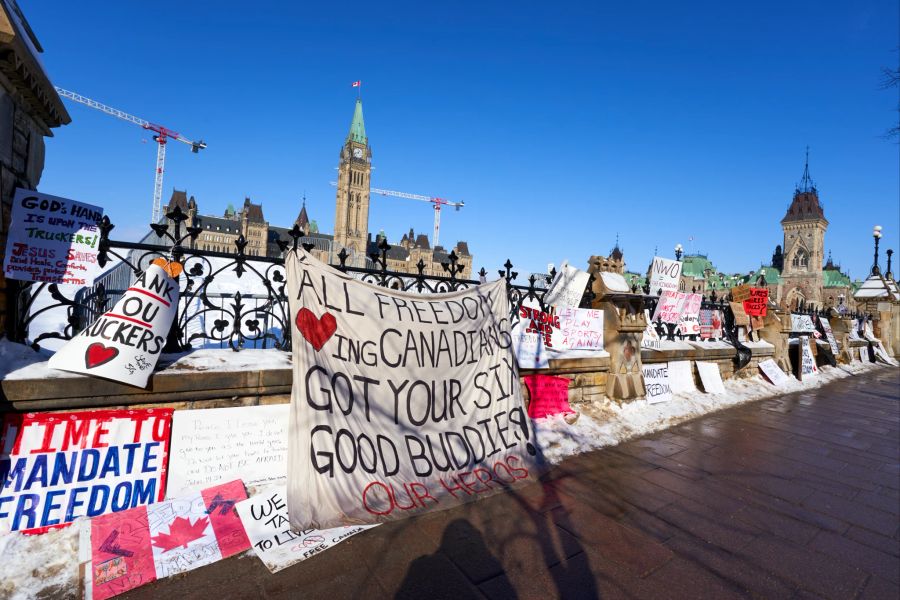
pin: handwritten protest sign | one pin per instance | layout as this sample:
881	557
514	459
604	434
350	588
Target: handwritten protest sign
52	239
217	444
665	275
710	377
741	318
567	287
124	344
401	403
548	396
581	328
536	336
829	335
651	338
802	324
143	544
55	467
669	306
689	321
807	360
773	372
740	293
265	519
710	324
656	382
755	304
681	377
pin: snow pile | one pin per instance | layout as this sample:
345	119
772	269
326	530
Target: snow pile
18	361
218	360
39	566
607	423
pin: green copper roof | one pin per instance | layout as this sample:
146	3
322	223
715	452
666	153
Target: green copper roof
358	126
694	265
835	279
772	274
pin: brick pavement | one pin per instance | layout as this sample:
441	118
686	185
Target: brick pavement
793	497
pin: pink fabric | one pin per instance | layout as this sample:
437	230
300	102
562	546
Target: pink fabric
549	396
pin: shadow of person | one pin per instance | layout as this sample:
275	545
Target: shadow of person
434	576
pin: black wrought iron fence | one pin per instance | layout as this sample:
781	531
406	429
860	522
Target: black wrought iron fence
255	315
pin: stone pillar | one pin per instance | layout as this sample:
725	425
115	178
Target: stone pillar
840	327
776	331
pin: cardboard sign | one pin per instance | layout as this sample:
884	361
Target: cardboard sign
681	377
710	324
52	239
829	335
55	467
755	305
143	544
802	324
665	275
215	444
567	287
581	328
656	382
124	344
265	519
710	377
741	318
669	306
807	360
689	321
549	396
740	293
401	403
773	372
651	338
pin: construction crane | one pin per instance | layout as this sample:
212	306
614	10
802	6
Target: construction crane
436	202
162	136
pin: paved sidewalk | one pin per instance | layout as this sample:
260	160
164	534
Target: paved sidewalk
794	497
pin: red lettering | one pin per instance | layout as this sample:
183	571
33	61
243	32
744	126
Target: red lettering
455	487
76	434
99	433
365	499
47	442
420	497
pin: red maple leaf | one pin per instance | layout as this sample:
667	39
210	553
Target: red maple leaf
181	533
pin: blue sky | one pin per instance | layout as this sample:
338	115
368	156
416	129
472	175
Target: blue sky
559	124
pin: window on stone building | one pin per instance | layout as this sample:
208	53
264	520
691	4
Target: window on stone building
801	259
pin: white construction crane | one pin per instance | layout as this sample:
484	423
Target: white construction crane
162	136
436	202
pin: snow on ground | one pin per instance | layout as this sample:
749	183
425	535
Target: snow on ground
608	423
39	566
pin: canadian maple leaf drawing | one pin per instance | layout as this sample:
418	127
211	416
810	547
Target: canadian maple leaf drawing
181	533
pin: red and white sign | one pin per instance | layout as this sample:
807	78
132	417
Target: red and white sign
55	467
137	546
549	395
669	307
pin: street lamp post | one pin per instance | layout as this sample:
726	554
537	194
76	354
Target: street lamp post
679	250
876	233
889	274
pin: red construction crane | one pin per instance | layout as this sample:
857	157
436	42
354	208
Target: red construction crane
162	136
436	202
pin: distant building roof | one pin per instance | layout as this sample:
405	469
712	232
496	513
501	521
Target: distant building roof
876	286
303	218
422	242
358	125
253	211
695	265
179	199
462	248
805	206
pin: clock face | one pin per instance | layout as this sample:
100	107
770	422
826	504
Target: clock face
357	153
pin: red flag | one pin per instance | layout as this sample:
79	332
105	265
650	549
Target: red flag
357	83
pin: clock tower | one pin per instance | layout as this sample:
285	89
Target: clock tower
351	218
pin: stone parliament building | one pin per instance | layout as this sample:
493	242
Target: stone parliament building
219	233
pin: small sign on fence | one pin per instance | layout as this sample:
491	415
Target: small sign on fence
665	275
669	306
755	304
567	288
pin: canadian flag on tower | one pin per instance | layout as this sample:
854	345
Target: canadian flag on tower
357	83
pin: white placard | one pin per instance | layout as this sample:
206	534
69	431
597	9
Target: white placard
711	377
864	354
124	343
665	274
802	324
52	239
689	321
681	377
212	445
651	337
567	288
615	282
882	355
581	328
829	335
669	307
773	372
656	382
807	360
265	519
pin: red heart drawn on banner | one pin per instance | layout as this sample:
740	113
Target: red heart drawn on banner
97	354
316	330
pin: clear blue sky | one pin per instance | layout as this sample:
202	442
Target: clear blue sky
559	124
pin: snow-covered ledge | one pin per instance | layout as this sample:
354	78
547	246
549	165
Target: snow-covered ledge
199	379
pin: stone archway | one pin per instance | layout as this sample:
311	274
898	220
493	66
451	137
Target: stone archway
793	298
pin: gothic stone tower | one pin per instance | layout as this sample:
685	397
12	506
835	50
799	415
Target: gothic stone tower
804	228
351	219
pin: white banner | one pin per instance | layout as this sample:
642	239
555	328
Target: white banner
567	287
656	382
401	403
829	335
665	275
807	360
265	519
124	343
219	444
